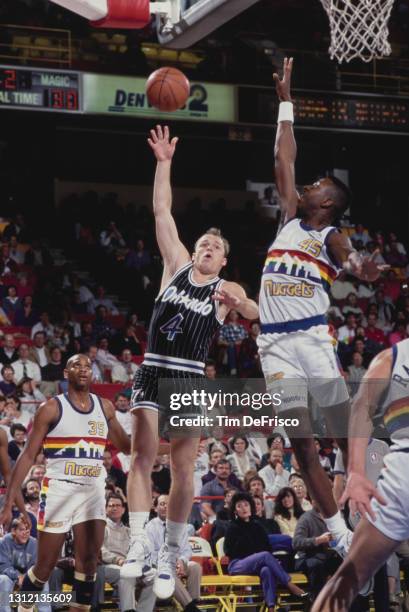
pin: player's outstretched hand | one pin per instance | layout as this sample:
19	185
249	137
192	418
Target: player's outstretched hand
359	491
283	86
227	298
161	144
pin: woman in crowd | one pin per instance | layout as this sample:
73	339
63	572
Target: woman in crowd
300	488
287	511
248	548
241	460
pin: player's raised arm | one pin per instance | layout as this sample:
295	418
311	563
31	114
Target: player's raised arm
359	490
364	268
46	415
172	250
285	150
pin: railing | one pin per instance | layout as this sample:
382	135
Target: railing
30	44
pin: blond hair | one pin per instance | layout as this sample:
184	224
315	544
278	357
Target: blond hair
215	231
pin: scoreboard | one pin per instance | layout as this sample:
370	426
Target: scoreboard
40	89
328	110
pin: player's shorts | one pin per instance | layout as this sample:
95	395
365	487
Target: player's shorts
146	391
393	484
302	363
64	504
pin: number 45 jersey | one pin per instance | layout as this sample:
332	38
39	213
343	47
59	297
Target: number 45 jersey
183	323
297	276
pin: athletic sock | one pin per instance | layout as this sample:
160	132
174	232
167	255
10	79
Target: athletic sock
137	522
174	533
336	525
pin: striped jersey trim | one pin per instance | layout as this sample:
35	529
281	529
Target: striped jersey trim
397	416
275	256
173	363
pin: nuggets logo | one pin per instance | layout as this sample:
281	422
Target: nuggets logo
303	290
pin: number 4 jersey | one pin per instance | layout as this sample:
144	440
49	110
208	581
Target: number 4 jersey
183	323
297	277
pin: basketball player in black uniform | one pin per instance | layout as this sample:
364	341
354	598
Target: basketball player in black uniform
191	306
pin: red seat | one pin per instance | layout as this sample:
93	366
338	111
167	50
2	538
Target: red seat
17	329
137	359
117	321
107	390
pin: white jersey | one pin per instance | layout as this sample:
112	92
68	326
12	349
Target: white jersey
75	446
297	277
396	402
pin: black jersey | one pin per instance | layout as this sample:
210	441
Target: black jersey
184	321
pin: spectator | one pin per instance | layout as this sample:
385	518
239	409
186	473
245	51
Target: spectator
43	325
210	371
39	353
125	370
269	524
38	255
346	333
394	257
102	300
249	550
87	337
102	326
8	384
325	462
113	554
123	415
249	359
54	370
11	303
221	523
12	409
274	474
356	372
23	367
361	234
139	258
352	306
31	494
385	308
392	286
276	441
231	335
373	332
37	472
19	434
216	488
97	374
15	253
216	454
114	474
392	237
256	487
241	460
61	337
287	511
186	569
111	238
270	202
127	339
18	552
26	315
160	476
311	542
8	352
30	396
298	484
104	357
398	333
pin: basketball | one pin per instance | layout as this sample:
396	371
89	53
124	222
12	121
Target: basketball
167	89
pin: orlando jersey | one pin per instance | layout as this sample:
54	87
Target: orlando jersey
396	402
183	323
296	280
74	447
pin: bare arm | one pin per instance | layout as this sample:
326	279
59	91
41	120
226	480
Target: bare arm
116	434
172	250
4	457
359	490
285	149
233	296
351	261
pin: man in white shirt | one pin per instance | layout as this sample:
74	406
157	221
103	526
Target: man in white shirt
113	554
101	300
8	352
43	325
97	373
122	412
274	475
185	568
347	332
39	353
23	367
125	370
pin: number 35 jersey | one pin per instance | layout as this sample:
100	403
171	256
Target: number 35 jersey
297	277
183	323
74	446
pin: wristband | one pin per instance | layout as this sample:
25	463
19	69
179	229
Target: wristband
286	112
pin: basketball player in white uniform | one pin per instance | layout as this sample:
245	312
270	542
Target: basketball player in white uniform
73	429
190	308
386	508
297	353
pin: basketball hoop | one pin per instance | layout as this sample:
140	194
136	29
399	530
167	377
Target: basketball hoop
359	28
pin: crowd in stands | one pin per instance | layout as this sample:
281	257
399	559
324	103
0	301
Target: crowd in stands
49	313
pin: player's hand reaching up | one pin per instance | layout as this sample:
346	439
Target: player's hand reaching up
359	491
227	298
160	143
283	86
366	267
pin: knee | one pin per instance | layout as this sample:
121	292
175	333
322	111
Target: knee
143	462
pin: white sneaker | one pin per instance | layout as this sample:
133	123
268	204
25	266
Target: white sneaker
138	560
164	583
342	546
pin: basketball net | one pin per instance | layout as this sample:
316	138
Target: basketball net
359	28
